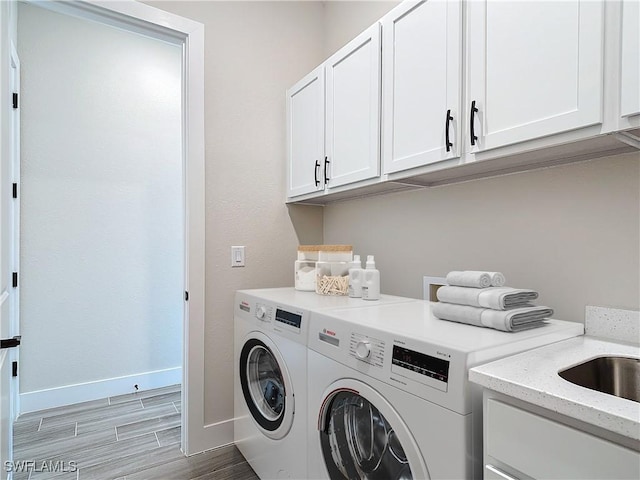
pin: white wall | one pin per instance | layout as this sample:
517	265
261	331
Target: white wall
254	51
102	204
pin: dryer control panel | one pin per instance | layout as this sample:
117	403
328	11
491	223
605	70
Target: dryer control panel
263	311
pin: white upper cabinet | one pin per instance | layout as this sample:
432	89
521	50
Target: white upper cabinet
352	144
445	90
305	134
534	68
421	84
630	65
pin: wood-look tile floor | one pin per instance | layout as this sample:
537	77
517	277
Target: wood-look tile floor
132	437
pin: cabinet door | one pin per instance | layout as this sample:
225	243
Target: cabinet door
421	50
630	68
353	110
547	449
534	68
305	134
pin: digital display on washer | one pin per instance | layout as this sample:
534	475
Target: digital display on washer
293	319
421	363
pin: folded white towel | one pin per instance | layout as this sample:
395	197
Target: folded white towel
475	279
497	279
506	320
498	298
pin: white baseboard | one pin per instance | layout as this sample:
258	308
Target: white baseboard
84	392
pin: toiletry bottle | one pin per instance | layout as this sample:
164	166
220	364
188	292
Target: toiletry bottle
370	280
355	277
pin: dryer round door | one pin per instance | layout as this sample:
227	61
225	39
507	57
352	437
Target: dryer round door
266	385
363	437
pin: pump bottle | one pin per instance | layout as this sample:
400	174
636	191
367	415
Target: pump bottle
371	280
355	277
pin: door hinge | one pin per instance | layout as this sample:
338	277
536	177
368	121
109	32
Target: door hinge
10	342
14	369
186	296
15	279
15	190
15	100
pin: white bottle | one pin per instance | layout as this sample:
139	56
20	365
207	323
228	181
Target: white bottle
355	277
371	281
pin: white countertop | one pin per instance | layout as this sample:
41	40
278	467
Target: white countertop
532	377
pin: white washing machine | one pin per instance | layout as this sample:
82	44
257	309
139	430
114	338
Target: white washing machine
389	396
270	375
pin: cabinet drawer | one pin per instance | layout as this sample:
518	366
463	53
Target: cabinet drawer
542	448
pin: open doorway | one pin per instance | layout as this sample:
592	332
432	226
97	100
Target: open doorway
102	243
188	36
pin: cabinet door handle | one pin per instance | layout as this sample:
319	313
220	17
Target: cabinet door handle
326	164
315	173
10	342
448	144
472	130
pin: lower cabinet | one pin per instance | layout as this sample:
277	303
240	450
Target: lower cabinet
520	444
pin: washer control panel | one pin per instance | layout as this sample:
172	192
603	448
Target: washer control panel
264	312
367	349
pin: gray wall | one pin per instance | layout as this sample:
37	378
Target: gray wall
254	51
343	20
570	232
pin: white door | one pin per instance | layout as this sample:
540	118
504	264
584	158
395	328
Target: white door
305	134
534	68
353	110
421	48
630	74
8	264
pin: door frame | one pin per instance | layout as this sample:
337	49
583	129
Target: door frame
139	18
14	300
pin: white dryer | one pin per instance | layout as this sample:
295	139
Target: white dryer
389	396
270	376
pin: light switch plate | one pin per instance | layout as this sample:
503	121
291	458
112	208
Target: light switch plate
237	256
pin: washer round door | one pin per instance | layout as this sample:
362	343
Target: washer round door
266	386
363	437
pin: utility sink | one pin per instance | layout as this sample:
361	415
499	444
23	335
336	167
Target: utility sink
619	376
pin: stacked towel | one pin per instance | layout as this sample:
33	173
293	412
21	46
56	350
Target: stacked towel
475	279
513	320
470	298
498	298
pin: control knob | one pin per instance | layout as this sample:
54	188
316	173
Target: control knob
261	312
363	349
